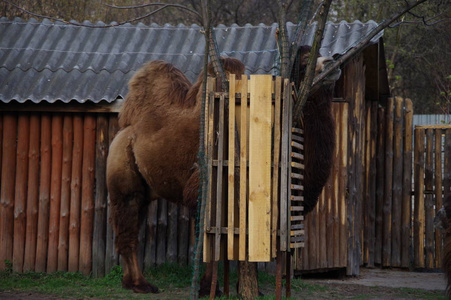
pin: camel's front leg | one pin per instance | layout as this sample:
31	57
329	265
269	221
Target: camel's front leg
205	283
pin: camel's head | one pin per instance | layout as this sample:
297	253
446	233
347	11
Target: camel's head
231	66
300	64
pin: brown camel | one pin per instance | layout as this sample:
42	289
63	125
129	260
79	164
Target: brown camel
318	125
154	155
154	152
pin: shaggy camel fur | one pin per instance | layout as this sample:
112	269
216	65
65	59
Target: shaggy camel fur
154	154
319	128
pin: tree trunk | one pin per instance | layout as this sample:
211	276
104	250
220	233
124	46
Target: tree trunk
247	280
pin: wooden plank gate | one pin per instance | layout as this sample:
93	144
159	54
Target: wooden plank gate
255	168
432	183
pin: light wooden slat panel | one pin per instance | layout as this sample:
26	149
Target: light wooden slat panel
260	168
209	130
243	169
275	178
284	180
231	171
220	172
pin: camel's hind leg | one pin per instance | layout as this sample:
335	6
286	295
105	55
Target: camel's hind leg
127	191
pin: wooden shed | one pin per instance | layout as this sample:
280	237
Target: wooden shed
62	87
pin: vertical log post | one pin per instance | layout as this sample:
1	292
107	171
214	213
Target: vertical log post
407	187
380	175
33	193
429	201
438	192
388	196
44	193
23	140
397	182
75	196
162	231
100	206
7	188
419	199
63	242
55	192
87	203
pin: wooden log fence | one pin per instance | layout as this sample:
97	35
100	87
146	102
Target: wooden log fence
432	172
49	223
54	204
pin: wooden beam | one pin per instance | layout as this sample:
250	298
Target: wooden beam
260	168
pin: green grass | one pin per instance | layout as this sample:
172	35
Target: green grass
174	281
76	285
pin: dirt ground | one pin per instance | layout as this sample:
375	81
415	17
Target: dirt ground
371	284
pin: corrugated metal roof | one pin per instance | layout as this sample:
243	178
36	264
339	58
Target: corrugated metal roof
431	120
47	61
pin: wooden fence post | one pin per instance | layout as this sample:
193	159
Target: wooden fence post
87	204
75	196
33	193
388	186
55	192
397	183
44	193
63	240
419	199
20	199
406	217
100	206
7	188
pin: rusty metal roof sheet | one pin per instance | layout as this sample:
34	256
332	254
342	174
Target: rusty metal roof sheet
50	61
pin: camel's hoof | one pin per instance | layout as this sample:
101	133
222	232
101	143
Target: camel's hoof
145	289
205	292
142	288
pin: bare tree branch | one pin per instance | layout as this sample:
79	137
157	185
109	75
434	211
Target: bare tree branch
310	72
425	21
112	6
307	7
359	47
165	5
